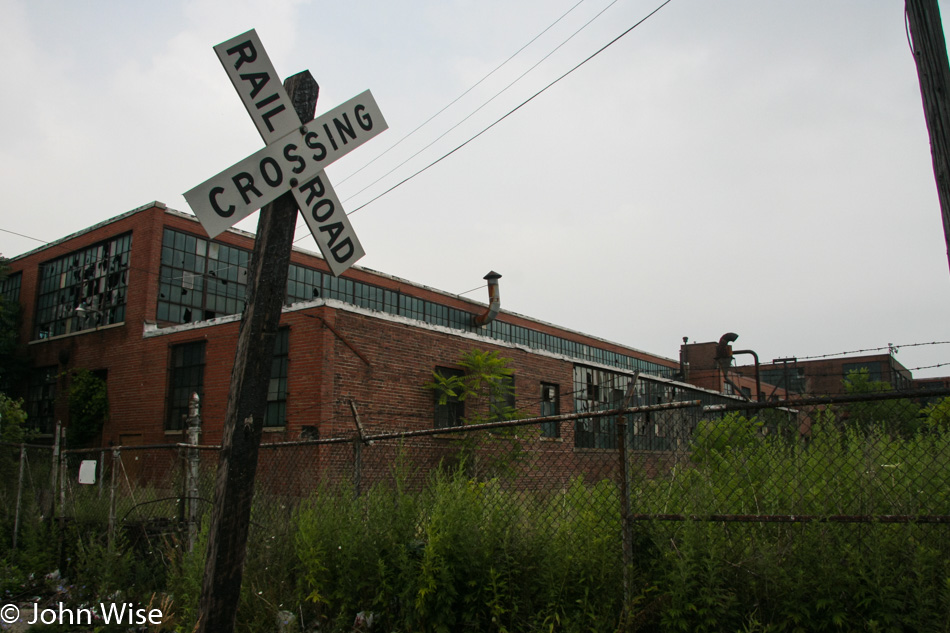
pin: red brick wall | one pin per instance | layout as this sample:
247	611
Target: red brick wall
384	379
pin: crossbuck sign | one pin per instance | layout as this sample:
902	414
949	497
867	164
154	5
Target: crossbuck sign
292	160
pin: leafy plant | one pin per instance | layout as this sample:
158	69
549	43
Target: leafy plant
88	407
486	386
936	416
898	417
715	438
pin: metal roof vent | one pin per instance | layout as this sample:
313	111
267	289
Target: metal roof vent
494	301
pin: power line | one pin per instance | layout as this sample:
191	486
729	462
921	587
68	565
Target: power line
468	90
26	236
479	108
512	111
515	109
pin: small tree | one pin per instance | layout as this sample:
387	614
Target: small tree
88	407
733	432
936	415
12	429
486	387
897	417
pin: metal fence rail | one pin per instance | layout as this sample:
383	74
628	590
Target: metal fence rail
866	457
750	473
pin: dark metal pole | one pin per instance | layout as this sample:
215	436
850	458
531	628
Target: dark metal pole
758	381
625	524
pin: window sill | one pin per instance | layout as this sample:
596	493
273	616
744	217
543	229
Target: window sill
579	449
60	337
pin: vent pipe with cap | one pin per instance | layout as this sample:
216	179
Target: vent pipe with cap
494	301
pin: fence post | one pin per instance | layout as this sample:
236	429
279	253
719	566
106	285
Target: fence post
115	467
62	494
625	523
19	495
102	469
193	428
54	472
62	498
357	451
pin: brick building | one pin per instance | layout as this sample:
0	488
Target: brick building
816	377
702	367
151	305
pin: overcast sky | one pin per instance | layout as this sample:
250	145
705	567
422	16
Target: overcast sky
739	165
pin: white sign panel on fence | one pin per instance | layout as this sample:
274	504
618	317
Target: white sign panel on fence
299	156
87	471
258	85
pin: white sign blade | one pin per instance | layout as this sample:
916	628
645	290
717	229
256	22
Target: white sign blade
261	91
323	212
238	191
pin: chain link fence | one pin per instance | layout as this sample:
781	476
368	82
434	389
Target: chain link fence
831	509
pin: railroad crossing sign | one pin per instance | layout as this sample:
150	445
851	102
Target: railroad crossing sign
293	158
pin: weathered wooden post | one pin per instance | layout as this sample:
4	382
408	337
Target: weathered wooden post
933	72
247	403
286	174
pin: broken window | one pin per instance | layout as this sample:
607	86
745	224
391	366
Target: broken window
200	280
550	406
84	290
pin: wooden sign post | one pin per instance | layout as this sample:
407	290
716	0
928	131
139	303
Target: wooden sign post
933	73
286	174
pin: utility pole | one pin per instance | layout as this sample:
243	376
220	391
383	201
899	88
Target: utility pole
933	72
247	398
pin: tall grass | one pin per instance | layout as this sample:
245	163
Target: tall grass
811	576
467	554
461	555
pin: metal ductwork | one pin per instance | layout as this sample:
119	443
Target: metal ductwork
494	301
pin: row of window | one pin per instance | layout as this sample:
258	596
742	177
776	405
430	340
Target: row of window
594	390
602	390
186	376
84	289
10	288
451	413
201	280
